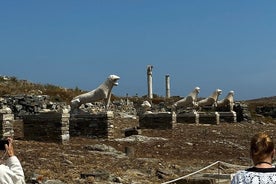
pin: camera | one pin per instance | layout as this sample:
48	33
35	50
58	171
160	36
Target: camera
2	144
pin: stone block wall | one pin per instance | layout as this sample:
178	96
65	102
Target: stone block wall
162	120
18	127
229	117
98	125
188	118
6	125
209	118
48	127
206	118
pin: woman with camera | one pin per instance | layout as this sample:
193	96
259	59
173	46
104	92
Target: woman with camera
11	171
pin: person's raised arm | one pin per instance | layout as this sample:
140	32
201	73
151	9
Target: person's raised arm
14	164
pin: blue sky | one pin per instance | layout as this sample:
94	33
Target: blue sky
212	44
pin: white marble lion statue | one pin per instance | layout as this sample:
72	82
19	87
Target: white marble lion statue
228	101
146	107
101	92
211	100
189	100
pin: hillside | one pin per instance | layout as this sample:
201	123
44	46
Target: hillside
155	156
14	86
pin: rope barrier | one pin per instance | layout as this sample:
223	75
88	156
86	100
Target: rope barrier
217	162
232	165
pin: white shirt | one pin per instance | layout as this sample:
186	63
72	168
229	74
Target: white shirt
255	176
12	172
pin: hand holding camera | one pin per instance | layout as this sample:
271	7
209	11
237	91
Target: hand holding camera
7	145
2	144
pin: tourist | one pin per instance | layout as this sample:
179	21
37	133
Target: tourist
11	171
263	172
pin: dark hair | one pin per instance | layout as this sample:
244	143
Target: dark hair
261	147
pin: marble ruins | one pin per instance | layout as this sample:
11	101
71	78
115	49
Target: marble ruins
208	110
149	77
189	101
146	107
101	92
210	101
189	109
58	122
227	102
168	86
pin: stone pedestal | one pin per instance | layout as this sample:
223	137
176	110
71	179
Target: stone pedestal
188	118
229	117
209	118
47	126
98	125
162	120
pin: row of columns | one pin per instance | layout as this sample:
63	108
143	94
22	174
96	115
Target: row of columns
149	80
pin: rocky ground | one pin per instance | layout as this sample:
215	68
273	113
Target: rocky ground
154	156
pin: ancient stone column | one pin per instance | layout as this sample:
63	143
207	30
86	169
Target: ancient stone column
168	88
149	74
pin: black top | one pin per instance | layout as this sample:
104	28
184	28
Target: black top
263	170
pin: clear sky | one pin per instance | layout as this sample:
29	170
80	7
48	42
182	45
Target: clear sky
230	45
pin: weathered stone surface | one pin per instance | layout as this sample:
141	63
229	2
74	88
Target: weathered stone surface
22	105
226	104
189	101
230	117
209	118
92	125
6	125
51	126
192	117
161	120
100	93
211	100
266	111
